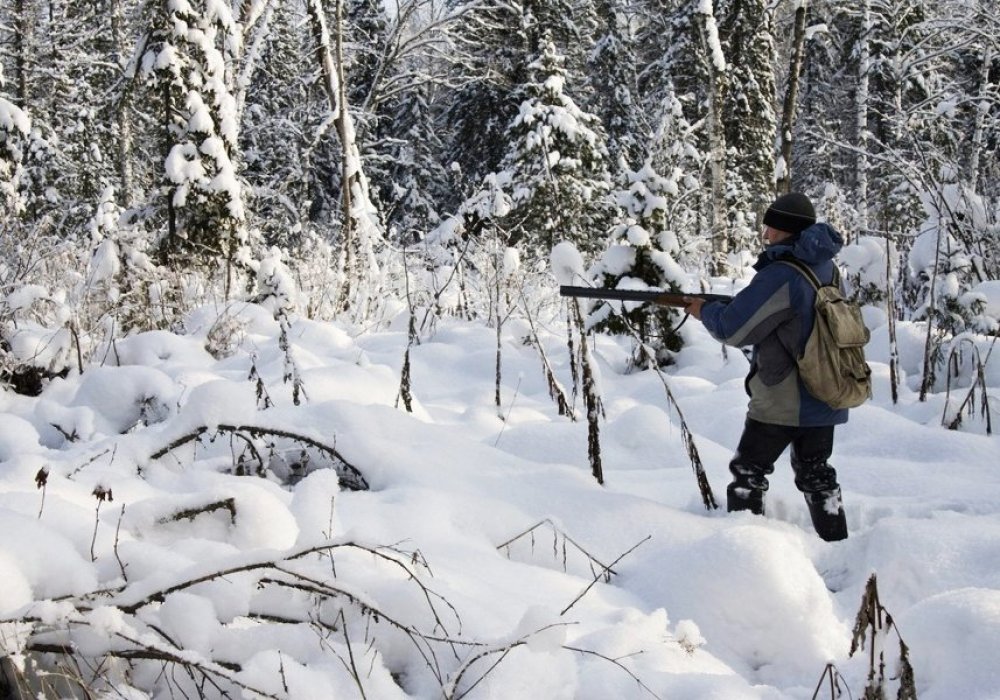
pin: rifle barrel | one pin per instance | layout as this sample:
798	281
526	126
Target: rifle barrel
599	293
662	298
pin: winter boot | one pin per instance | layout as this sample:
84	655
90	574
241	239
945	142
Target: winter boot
743	498
827	513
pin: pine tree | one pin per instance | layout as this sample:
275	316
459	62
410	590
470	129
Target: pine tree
556	165
491	62
901	37
288	146
642	254
674	151
690	70
15	133
826	99
569	25
83	75
416	177
612	81
188	63
746	31
496	43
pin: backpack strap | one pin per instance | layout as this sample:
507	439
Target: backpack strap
808	273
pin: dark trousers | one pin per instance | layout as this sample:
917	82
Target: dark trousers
760	446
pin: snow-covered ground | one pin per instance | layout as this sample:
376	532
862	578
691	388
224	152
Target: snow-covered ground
468	567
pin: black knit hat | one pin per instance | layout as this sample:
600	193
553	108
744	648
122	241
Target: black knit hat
792	212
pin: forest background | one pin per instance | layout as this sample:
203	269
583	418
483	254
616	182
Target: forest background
159	154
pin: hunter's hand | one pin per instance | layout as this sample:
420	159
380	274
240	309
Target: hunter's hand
694	305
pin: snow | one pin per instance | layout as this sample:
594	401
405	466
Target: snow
990	291
24	296
499	518
866	258
13	118
706	9
567	264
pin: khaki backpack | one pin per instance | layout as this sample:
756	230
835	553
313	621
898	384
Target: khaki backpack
833	366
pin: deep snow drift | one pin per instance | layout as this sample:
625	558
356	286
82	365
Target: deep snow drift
701	604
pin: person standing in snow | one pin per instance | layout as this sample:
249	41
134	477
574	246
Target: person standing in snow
774	315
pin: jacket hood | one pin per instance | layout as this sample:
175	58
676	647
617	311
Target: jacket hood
816	244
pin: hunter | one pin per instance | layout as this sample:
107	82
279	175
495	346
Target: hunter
774	314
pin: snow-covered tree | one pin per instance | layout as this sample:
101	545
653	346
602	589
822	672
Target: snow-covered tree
490	62
686	66
83	75
188	65
416	178
641	254
289	148
612	83
557	166
15	132
746	31
674	151
942	271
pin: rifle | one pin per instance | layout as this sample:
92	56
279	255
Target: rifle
661	298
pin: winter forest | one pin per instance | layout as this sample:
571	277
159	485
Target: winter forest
160	154
180	176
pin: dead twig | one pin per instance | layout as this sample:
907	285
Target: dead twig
557	534
606	569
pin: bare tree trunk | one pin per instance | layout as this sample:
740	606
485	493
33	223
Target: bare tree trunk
861	117
986	249
890	312
591	396
498	308
126	173
168	106
22	39
346	184
354	186
928	375
716	65
979	117
784	182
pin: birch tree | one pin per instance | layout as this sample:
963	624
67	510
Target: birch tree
361	231
783	169
861	115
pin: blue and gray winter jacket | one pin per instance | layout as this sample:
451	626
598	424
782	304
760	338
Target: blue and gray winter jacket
774	314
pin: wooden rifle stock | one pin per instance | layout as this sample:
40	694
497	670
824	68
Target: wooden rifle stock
661	298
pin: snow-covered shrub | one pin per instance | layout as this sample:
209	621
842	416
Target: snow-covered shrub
641	255
870	271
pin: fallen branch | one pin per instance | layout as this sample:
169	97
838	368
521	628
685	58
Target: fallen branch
617	663
278	573
605	570
350	477
228	504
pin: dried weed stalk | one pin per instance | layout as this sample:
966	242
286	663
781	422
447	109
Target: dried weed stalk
968	405
872	623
